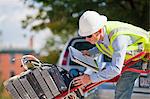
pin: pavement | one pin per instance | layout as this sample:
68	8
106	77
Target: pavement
109	94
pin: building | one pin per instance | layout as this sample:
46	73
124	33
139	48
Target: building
8	67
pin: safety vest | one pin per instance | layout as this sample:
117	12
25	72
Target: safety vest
115	28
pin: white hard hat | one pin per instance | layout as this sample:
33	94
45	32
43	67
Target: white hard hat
90	22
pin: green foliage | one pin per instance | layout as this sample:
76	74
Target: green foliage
3	93
51	58
61	16
1	88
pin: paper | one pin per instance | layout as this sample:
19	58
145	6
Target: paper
83	60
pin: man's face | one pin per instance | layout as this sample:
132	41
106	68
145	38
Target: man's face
95	37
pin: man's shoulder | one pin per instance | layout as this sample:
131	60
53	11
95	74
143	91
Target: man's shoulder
110	25
116	22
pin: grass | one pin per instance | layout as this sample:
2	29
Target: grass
3	92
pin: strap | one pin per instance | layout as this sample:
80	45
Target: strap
129	63
137	70
134	57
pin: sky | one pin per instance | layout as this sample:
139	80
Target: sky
12	34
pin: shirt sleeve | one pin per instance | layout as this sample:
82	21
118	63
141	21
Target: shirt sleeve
114	67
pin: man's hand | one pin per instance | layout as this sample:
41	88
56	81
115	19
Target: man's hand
85	52
82	80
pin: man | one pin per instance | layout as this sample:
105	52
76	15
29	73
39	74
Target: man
117	40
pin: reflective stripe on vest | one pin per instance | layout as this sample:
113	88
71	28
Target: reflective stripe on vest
129	30
116	32
103	50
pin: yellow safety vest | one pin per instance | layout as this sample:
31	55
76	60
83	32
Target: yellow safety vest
115	28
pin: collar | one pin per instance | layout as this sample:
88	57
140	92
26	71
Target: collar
105	41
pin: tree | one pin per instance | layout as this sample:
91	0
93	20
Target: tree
61	16
51	58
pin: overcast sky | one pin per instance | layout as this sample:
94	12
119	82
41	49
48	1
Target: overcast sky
11	14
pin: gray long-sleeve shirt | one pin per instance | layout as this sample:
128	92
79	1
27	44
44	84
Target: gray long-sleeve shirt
114	67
